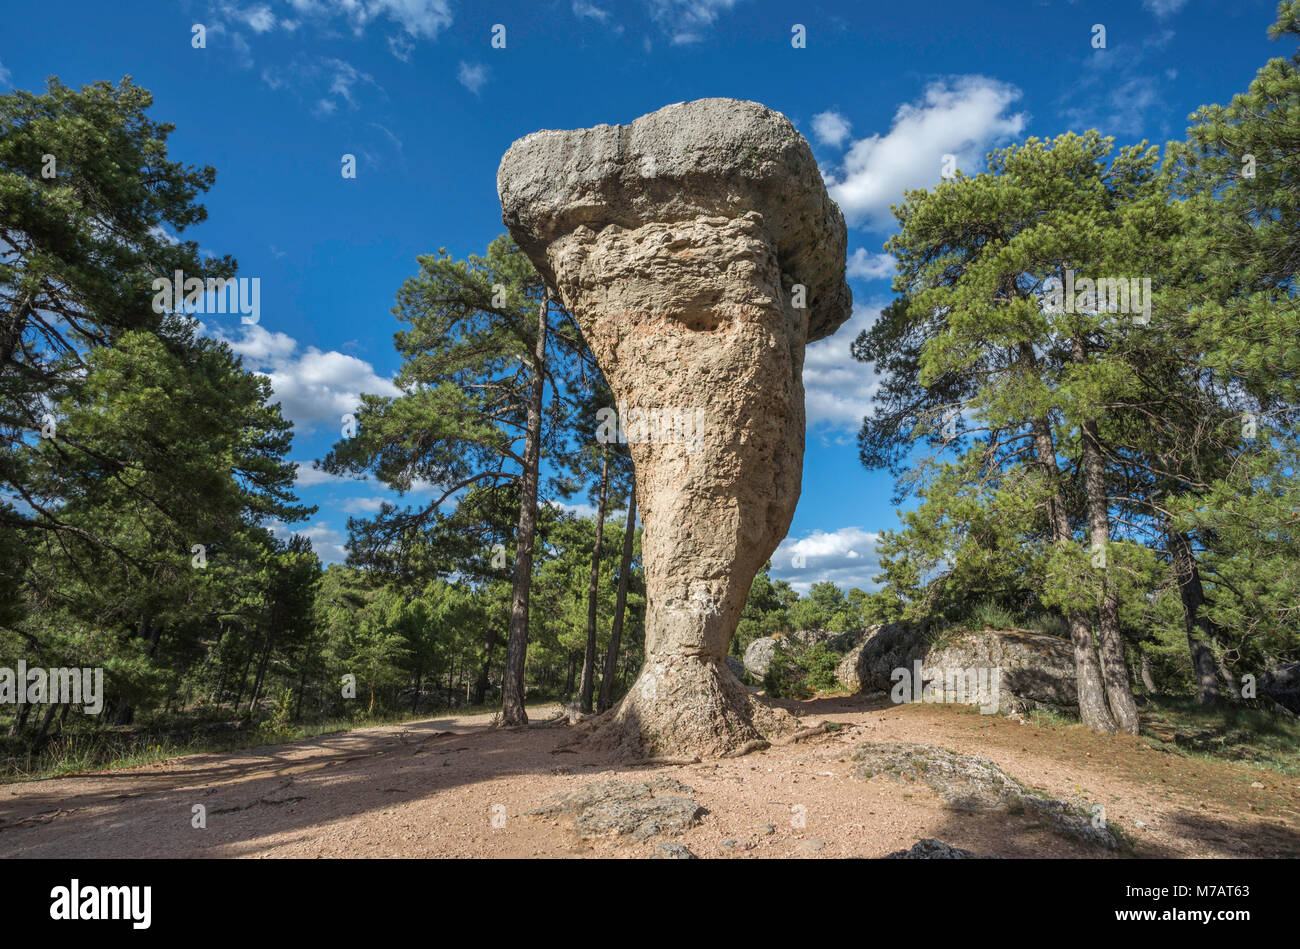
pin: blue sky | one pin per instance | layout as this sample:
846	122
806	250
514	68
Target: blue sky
417	92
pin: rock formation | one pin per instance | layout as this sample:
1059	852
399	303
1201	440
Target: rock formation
699	252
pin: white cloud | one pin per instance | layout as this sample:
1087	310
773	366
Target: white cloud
313	387
259	347
686	21
577	510
830	128
1114	94
325	540
472	76
344	78
423	19
964	117
838	390
307	476
586	9
5	75
331	82
259	18
870	266
846	557
369	505
1164	8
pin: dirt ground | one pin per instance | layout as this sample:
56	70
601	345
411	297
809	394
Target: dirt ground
439	788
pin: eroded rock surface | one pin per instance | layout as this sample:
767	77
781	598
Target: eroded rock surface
700	253
1035	670
932	848
974	783
613	808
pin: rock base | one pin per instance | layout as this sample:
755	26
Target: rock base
684	705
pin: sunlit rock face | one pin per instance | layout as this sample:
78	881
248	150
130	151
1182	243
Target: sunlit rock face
700	253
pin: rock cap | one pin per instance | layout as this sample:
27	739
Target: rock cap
710	157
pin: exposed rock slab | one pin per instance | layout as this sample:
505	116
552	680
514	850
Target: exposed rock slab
1036	670
615	808
974	783
934	849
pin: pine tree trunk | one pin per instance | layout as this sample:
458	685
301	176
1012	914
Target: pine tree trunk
606	698
39	741
1114	667
261	676
1229	679
589	655
512	686
571	676
1087	669
20	718
1197	624
1147	682
482	680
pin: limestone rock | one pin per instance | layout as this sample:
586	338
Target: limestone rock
884	647
735	665
671	850
932	849
613	808
758	656
699	252
1036	670
974	783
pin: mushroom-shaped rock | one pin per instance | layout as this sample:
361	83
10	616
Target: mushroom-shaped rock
699	252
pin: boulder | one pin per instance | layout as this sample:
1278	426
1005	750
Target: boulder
759	656
1035	670
933	849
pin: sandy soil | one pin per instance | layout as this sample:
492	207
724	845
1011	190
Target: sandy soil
432	789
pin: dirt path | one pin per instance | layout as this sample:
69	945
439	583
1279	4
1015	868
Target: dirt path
432	789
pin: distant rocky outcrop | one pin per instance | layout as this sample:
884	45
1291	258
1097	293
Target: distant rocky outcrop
1035	670
758	656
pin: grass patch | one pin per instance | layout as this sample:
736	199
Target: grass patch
1181	725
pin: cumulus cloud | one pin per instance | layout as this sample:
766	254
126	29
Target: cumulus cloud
306	476
869	266
846	557
325	540
830	128
5	75
838	390
312	386
963	117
